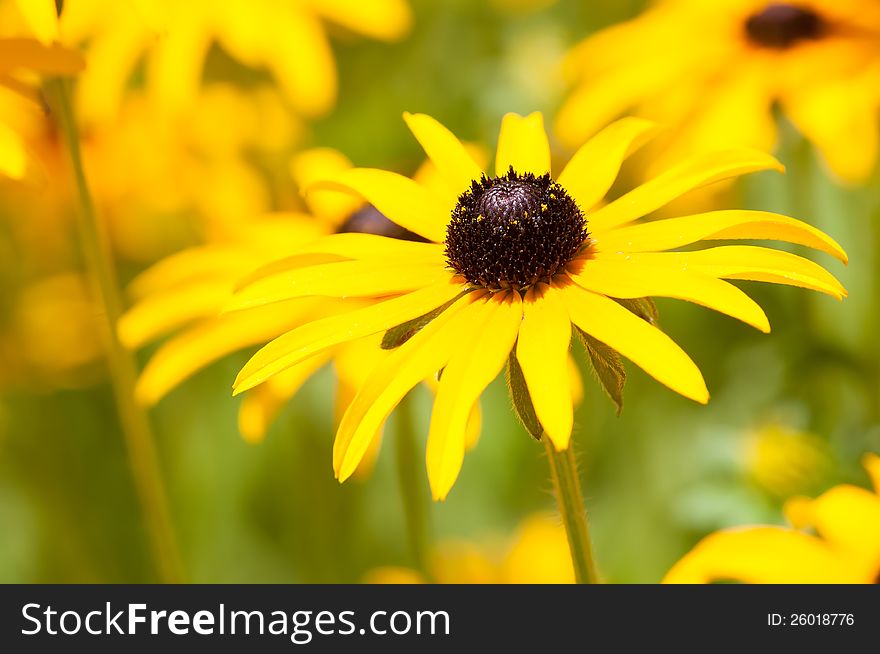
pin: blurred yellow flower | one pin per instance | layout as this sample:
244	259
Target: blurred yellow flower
160	182
508	273
844	550
172	40
52	338
784	461
537	554
715	70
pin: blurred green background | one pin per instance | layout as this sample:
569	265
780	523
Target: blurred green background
657	478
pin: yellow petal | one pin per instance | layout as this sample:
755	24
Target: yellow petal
762	555
747	262
260	407
314	337
671	233
523	144
575	382
195	264
478	357
163	312
539	554
296	50
371	246
42	18
342	279
201	345
443	148
386	20
638	341
675	182
422	355
542	352
18	54
846	517
13	157
594	167
401	199
628	279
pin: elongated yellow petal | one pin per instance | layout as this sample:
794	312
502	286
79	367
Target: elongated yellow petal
370	246
18	54
747	262
871	462
763	555
672	233
423	355
542	352
163	312
42	18
622	278
476	362
594	167
209	262
642	343
401	199
201	345
260	406
343	279
687	176
314	337
175	62
380	19
523	144
453	162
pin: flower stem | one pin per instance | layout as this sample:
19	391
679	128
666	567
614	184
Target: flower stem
139	438
567	487
412	492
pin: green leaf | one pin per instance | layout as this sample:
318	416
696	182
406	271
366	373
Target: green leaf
522	401
643	307
608	367
397	336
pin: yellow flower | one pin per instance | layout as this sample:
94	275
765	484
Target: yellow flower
784	461
844	550
509	269
172	39
21	59
537	554
717	69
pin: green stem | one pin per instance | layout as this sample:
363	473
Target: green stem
412	490
139	439
567	487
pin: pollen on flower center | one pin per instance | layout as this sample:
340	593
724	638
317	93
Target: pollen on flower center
781	25
513	231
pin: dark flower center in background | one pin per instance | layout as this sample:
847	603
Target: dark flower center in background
781	25
369	220
513	231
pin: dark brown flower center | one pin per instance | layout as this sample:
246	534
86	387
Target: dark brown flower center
513	231
781	25
369	220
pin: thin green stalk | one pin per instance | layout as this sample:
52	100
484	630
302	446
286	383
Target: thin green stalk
567	487
139	439
412	490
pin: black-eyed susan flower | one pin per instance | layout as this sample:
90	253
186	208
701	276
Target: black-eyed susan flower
171	41
514	262
819	60
835	539
537	553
